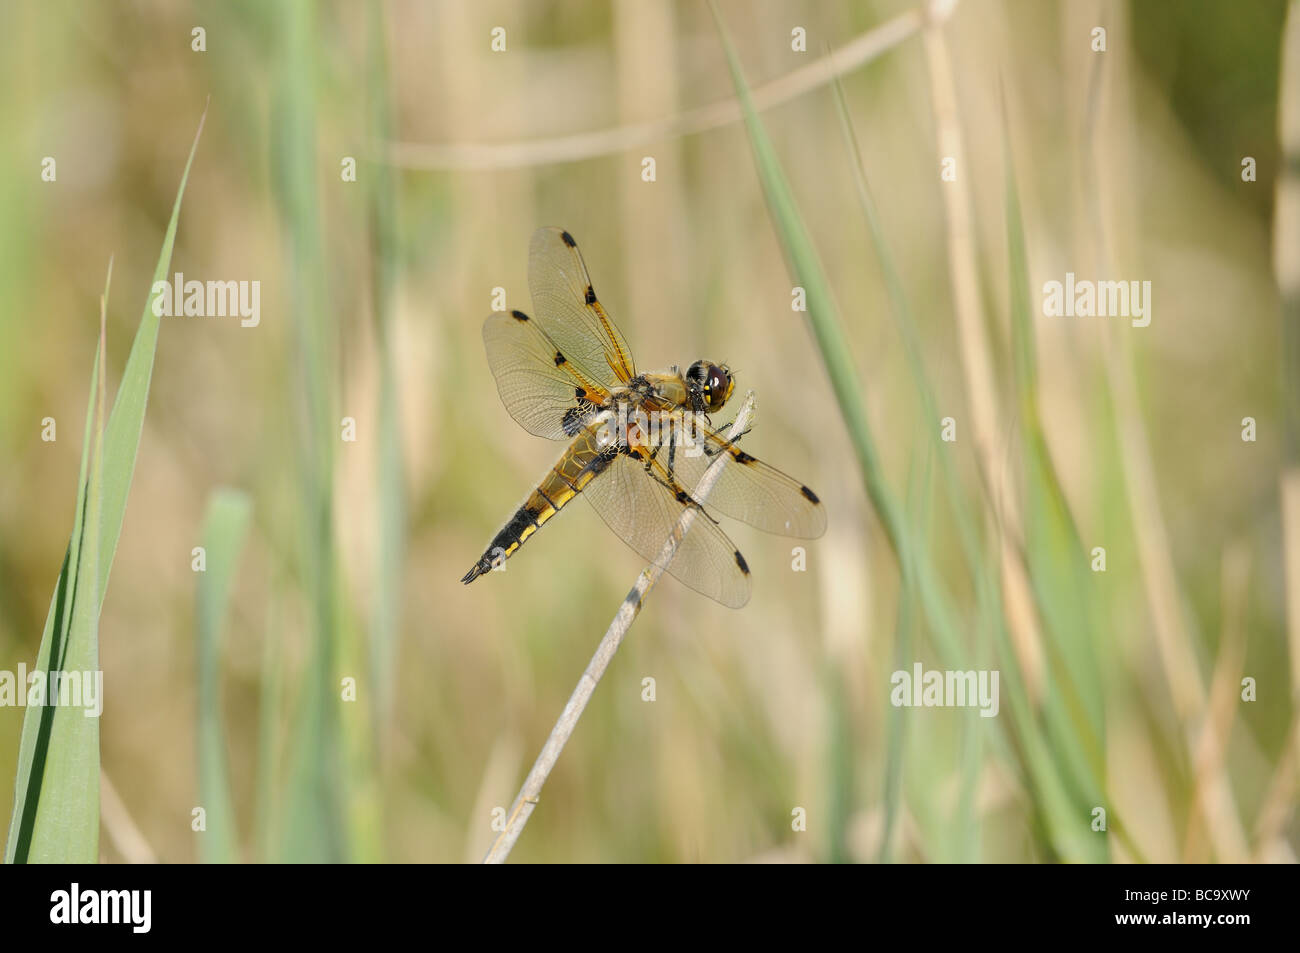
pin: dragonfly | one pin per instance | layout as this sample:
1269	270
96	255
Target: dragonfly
637	444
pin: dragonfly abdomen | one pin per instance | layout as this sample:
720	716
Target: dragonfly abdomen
582	462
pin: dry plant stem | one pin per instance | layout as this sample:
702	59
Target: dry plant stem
587	145
1279	803
1212	792
1141	486
1214	800
1186	685
121	827
976	356
568	720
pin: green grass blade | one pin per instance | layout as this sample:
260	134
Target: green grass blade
317	825
896	728
270	711
56	793
1073	707
224	531
1033	751
804	264
125	424
840	765
906	327
977	563
1052	789
66	828
115	466
828	334
385	250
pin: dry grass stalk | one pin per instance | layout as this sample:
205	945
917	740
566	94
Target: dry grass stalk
588	145
529	794
975	349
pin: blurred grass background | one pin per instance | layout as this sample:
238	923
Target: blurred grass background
1124	164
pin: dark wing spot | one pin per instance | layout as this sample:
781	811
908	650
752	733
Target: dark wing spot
740	561
568	239
743	457
571	422
591	295
518	315
809	494
559	358
580	393
683	497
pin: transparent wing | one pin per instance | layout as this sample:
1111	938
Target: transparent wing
644	512
542	393
748	489
567	310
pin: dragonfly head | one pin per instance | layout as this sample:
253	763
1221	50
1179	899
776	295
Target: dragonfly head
709	386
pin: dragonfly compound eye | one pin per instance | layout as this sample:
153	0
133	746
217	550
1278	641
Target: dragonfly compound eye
717	390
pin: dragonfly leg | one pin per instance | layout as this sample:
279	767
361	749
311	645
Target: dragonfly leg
669	481
712	452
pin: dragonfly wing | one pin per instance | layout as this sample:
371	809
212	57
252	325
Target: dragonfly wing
546	395
748	489
567	309
643	513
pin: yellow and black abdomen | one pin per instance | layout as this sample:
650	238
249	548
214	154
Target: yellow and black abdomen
582	462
